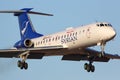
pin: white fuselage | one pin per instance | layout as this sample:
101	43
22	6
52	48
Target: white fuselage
81	37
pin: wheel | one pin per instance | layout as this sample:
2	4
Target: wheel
85	66
22	67
88	68
19	63
25	66
92	68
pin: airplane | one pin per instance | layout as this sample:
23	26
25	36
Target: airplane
72	44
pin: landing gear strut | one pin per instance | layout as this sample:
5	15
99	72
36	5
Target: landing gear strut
21	63
89	67
102	49
102	44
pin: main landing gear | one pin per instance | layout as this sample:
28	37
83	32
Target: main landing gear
89	67
21	63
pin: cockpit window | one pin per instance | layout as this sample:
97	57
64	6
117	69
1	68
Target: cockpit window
101	25
109	25
106	24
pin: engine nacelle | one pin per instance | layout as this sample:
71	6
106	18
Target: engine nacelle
28	43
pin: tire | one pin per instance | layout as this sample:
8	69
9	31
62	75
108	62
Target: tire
25	66
85	66
19	63
88	68
92	68
21	67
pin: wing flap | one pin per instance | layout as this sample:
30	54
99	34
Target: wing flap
9	53
78	57
34	53
96	53
72	57
87	53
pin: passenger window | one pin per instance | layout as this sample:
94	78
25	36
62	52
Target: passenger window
56	38
67	35
76	33
88	29
53	39
73	34
49	39
64	36
109	25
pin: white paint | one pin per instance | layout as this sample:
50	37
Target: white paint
24	29
87	36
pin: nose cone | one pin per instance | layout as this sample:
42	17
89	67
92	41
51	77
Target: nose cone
111	33
107	33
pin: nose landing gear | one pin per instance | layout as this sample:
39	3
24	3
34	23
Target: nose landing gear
102	44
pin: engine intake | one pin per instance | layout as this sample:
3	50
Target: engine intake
28	43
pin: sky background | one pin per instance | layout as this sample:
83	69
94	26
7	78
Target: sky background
67	13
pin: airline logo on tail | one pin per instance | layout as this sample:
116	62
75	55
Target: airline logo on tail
25	28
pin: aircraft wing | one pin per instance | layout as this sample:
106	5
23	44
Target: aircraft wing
87	53
34	53
38	53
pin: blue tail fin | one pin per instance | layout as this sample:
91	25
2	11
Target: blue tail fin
25	25
26	28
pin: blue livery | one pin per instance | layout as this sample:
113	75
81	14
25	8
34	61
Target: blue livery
26	28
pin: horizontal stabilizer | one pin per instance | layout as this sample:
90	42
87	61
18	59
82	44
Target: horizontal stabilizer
25	11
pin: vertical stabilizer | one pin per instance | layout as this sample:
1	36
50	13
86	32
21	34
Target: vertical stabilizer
25	25
27	31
